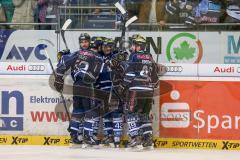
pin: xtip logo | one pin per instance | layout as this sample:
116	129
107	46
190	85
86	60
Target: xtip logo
19	140
158	143
229	145
15	121
175	115
184	47
51	141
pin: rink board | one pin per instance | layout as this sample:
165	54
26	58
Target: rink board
158	142
43	115
204	108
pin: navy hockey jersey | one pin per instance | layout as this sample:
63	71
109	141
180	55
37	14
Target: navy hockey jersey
141	72
85	66
104	81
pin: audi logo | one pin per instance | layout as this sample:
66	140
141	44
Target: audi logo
171	69
36	68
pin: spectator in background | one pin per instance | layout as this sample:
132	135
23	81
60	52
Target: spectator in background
3	18
98	11
232	13
177	11
8	8
152	11
47	11
209	11
133	7
23	13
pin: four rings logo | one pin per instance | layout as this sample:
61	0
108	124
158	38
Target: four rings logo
36	68
171	69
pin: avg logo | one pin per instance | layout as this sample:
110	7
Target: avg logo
184	48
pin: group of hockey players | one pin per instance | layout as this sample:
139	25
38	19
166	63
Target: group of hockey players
127	80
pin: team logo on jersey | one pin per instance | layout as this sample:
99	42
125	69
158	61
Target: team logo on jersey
184	48
142	56
86	53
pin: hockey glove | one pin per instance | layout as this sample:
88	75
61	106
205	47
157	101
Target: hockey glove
118	58
61	53
58	83
115	63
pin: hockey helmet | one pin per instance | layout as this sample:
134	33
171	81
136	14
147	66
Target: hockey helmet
141	41
99	41
84	36
135	36
108	46
96	42
109	42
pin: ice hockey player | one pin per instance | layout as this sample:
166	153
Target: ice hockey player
112	115
96	44
132	46
85	67
140	79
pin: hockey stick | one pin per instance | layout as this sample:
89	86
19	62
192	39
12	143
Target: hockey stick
61	94
125	22
64	27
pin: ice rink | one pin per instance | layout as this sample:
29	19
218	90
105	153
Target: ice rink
66	153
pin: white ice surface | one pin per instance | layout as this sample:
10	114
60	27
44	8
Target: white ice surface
66	153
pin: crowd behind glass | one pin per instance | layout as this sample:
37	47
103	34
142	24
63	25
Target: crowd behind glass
188	13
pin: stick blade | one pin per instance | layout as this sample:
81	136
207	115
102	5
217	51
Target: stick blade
130	21
120	8
66	24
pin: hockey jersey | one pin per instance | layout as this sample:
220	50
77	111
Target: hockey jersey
104	81
141	72
85	66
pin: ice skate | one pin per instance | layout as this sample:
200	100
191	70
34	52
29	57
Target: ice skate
135	144
147	142
76	141
107	142
91	142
